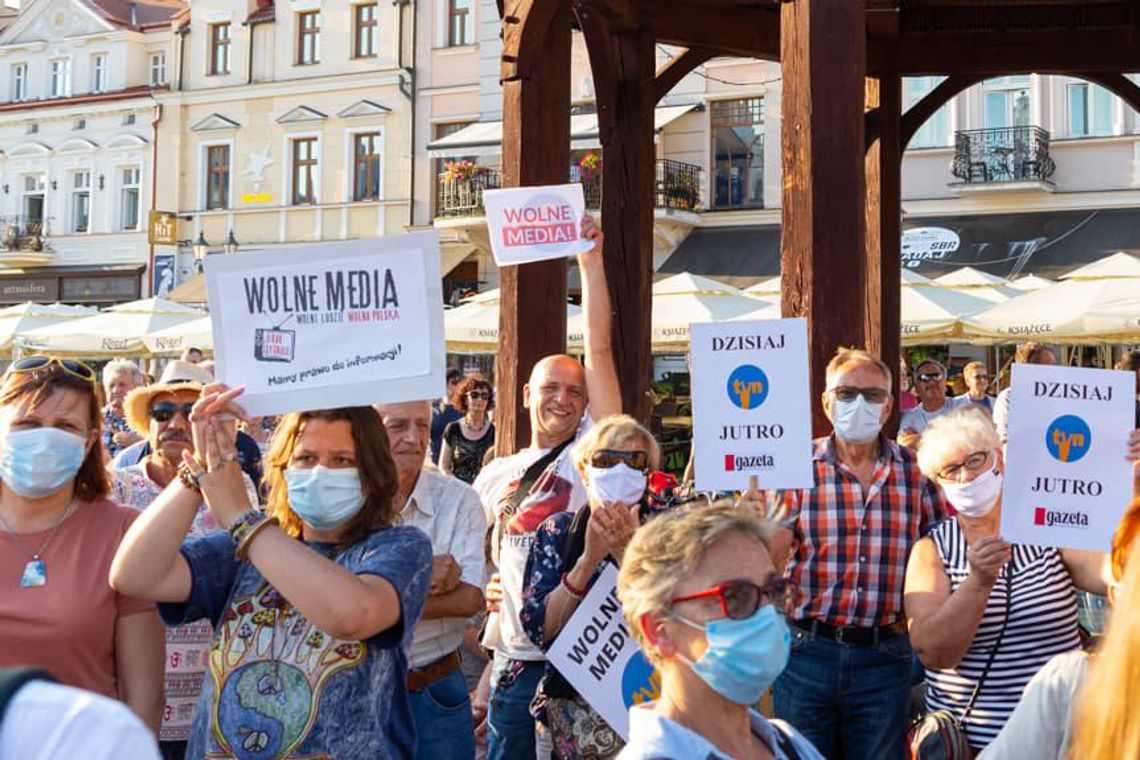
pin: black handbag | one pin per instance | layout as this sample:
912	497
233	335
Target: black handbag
940	735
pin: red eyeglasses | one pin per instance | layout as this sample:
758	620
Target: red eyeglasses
739	598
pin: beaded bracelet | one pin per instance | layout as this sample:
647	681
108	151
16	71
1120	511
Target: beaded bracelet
241	525
188	478
242	550
578	594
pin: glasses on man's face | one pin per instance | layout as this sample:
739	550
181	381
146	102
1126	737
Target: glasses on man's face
739	599
164	411
983	378
604	459
930	377
972	463
73	367
478	395
850	393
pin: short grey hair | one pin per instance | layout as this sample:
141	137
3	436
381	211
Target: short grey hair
968	427
848	356
121	367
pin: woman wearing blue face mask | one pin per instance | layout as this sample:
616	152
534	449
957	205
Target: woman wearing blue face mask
313	601
615	458
58	534
700	593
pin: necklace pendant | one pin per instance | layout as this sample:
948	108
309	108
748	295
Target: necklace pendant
35	574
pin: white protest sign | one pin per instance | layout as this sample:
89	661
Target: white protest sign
1067	481
535	223
595	652
331	324
751	411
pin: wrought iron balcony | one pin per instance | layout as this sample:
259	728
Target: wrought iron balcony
1008	154
460	193
677	185
18	233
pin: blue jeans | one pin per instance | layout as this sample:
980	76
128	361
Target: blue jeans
444	726
849	701
510	726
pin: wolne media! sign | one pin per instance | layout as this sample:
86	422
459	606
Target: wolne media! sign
329	325
1067	481
751	414
535	223
597	655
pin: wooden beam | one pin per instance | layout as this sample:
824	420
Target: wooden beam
536	151
1118	84
669	75
920	112
750	31
625	86
882	314
524	22
823	54
1053	52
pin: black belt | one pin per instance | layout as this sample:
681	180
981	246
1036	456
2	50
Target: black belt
852	634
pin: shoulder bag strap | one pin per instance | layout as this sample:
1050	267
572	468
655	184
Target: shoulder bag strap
997	644
526	482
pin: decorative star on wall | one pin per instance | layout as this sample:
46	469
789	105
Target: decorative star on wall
255	167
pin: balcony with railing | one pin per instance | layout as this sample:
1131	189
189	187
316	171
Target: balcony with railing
459	191
1002	156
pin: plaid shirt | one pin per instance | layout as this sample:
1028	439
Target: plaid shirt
850	549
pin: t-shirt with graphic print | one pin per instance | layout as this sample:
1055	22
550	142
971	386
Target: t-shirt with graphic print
277	686
558	488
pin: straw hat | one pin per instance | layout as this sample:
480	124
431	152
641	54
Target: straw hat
178	376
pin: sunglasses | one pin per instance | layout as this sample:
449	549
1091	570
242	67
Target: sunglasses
929	377
975	461
73	367
476	395
164	411
739	599
604	459
850	393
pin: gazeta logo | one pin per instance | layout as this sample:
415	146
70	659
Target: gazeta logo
1068	438
640	681
747	386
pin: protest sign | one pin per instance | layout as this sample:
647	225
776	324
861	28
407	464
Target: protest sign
751	412
1067	481
535	223
328	325
595	652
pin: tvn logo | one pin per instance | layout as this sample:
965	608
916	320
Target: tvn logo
736	463
1047	518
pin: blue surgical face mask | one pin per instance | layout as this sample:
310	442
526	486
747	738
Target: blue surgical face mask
858	420
744	656
40	461
325	498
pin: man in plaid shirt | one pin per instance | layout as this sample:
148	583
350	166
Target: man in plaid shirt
847	682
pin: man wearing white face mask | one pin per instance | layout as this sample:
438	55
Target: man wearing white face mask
449	512
847	681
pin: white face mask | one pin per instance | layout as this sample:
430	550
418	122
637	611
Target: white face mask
976	498
858	420
620	483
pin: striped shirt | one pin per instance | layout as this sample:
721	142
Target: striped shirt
850	548
1042	623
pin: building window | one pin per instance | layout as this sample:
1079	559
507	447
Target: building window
129	199
81	201
99	73
460	23
59	83
1090	110
1007	102
366	166
79	123
304	170
19	82
737	153
32	129
366	39
128	119
157	69
217	176
219	49
935	132
308	37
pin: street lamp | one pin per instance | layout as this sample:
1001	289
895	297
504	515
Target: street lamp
201	248
231	244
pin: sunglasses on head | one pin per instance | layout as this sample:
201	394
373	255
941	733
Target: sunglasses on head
475	395
849	393
164	411
739	599
604	459
73	367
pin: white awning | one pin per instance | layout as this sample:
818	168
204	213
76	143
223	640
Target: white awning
485	138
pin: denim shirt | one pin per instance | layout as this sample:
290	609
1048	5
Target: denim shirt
276	685
655	737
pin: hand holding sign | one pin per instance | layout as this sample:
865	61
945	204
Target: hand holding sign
1134	458
987	557
536	223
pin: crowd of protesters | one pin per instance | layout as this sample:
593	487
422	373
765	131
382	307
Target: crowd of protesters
189	582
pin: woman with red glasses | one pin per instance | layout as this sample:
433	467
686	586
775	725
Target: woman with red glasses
615	458
58	535
466	441
703	599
